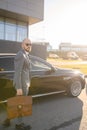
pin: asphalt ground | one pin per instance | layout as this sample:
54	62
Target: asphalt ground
70	125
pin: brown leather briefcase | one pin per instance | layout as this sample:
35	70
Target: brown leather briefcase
19	106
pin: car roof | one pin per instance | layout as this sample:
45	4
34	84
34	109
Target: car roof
7	54
14	54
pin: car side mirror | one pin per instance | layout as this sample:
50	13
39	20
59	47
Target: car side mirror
52	69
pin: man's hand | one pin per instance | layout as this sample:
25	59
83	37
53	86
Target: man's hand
19	92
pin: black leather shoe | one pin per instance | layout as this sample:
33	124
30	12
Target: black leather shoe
6	123
22	126
28	127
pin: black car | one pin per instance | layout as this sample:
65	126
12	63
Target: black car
45	79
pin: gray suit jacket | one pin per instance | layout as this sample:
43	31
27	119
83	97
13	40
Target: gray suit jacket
22	72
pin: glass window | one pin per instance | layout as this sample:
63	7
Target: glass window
10	30
13	30
21	31
38	65
4	66
1	28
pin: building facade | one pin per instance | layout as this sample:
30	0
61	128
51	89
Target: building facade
15	18
68	47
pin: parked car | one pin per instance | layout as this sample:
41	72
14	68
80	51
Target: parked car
84	57
72	55
54	56
45	78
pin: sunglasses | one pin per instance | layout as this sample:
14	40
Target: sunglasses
28	44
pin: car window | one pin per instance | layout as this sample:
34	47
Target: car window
6	63
38	65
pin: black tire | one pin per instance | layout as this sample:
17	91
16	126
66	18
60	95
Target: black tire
74	88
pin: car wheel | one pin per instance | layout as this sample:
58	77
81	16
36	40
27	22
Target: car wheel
75	88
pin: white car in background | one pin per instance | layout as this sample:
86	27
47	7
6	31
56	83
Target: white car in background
54	56
72	55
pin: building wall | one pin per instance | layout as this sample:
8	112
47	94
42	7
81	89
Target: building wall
28	10
78	49
71	47
39	50
19	11
13	47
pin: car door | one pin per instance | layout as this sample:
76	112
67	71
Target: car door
38	76
6	77
43	77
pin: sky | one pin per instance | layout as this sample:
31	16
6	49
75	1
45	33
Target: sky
64	21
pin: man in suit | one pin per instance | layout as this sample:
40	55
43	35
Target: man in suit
21	76
22	68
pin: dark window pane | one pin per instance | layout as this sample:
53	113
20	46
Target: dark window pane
7	63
